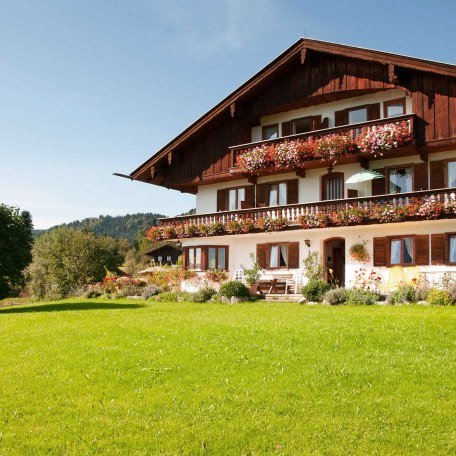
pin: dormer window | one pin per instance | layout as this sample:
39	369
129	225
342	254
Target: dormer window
394	108
270	132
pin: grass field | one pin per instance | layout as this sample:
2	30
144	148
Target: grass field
116	377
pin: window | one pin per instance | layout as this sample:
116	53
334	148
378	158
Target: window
168	258
452	249
207	257
270	132
401	251
216	258
160	259
194	258
302	125
235	198
278	194
400	180
451	174
357	115
393	108
278	256
332	186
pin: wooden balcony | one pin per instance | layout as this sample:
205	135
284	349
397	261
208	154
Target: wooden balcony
292	213
353	130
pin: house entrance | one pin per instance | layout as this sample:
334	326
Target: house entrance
334	260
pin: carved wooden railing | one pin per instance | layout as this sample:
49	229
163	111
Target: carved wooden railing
293	212
354	130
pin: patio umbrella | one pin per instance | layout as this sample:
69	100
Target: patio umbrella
363	176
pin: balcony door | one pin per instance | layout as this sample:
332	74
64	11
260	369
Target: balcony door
332	186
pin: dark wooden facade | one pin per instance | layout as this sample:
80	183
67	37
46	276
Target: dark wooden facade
168	253
309	73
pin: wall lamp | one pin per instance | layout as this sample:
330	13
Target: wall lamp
307	241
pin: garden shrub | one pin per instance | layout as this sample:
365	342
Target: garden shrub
233	288
449	285
168	296
92	294
335	296
405	293
150	290
203	295
131	289
359	296
438	297
315	290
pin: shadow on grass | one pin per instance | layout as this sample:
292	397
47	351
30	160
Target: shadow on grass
65	306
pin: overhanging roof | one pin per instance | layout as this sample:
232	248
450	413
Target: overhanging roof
302	45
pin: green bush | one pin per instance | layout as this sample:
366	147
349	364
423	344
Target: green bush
203	295
169	296
438	297
92	294
315	290
150	290
335	296
404	293
358	296
233	288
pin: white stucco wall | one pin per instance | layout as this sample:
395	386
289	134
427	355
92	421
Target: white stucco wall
240	246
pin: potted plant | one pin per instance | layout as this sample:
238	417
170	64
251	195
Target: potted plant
359	252
252	275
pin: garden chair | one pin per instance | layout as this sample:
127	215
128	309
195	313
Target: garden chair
295	281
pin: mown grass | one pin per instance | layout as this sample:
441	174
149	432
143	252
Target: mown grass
116	377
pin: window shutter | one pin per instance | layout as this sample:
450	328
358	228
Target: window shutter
262	197
287	128
420	176
437	169
203	258
184	257
293	255
422	250
221	200
261	255
249	201
373	111
340	118
292	191
378	185
380	251
438	249
316	122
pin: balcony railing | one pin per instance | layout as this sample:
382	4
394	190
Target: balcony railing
353	130
293	213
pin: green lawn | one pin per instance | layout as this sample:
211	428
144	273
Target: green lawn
116	377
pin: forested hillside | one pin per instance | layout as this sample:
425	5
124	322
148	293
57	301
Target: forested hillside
120	227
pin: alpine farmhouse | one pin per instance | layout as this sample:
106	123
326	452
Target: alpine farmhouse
327	147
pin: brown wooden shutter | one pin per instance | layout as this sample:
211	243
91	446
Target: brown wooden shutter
340	118
203	258
249	200
287	128
373	111
437	171
380	251
422	250
293	255
184	257
316	122
262	197
420	176
292	191
261	255
378	185
438	249
221	200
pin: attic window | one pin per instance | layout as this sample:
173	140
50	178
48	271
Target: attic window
357	115
302	125
393	108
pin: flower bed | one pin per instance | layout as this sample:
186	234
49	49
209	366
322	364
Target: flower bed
352	215
293	153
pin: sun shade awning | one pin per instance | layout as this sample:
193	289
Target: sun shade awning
363	176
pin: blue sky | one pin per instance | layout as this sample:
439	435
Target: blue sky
88	88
